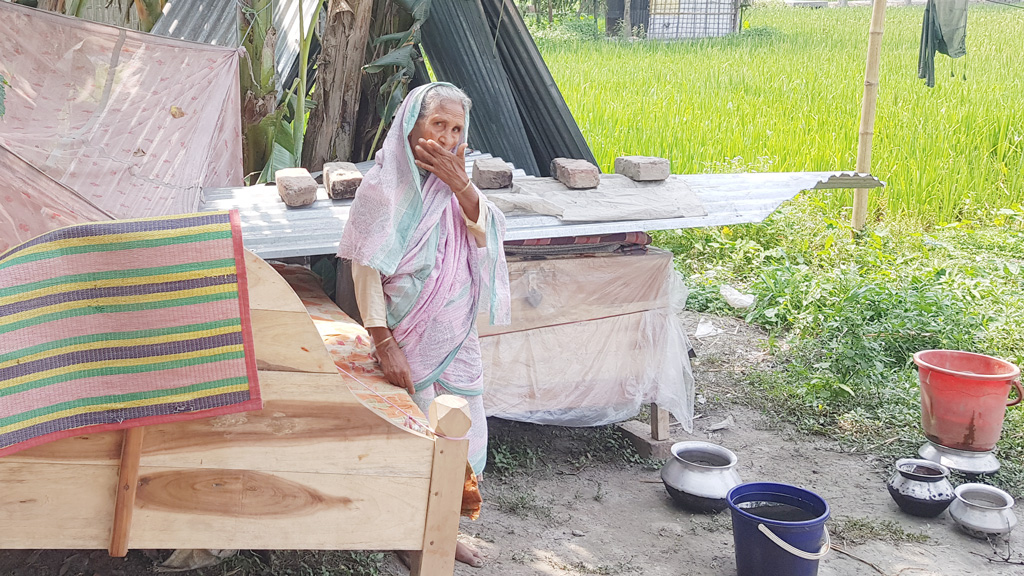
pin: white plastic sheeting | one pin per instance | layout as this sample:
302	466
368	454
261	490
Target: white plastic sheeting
32	203
592	339
138	124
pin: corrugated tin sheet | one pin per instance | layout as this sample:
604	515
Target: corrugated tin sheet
216	22
272	230
552	130
458	42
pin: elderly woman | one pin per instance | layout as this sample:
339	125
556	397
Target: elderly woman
426	252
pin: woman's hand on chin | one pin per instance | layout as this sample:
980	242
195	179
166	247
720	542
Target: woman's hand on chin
449	167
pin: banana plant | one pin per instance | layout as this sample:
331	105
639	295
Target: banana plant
400	62
257	74
149	12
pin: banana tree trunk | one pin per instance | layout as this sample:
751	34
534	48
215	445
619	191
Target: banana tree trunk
149	12
332	123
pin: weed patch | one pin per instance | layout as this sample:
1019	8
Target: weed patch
850	530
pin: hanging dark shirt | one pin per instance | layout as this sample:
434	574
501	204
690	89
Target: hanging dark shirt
944	31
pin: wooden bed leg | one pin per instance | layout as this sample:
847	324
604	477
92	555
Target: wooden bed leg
659	422
449	415
127	485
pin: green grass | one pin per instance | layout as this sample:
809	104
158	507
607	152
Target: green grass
786	95
940	265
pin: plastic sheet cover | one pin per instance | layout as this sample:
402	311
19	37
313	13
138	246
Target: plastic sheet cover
591	340
138	124
33	203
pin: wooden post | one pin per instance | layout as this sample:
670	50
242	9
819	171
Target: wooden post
449	416
867	111
659	422
127	485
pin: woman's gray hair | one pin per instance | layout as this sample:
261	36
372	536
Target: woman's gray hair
443	93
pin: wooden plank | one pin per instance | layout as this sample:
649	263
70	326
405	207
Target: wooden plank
267	289
44	505
99	448
659	422
310	423
127	483
289	342
449	416
185	508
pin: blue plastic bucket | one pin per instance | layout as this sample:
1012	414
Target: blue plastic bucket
778	529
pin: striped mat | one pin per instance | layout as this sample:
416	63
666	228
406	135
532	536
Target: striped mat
126	323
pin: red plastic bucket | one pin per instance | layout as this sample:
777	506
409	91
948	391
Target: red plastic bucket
964	397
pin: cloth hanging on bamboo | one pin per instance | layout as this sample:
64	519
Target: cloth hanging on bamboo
944	30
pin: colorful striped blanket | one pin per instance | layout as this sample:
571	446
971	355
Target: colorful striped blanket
126	323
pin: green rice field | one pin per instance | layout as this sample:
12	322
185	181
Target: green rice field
785	95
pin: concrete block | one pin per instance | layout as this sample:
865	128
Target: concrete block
639	434
643	168
341	179
296	186
491	174
575	173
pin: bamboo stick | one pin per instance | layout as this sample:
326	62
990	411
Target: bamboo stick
867	110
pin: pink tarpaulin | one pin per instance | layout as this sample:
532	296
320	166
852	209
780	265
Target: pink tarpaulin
138	124
32	203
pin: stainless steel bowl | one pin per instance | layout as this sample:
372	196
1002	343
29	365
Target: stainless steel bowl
981	510
699	476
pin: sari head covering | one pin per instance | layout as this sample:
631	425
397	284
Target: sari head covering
434	276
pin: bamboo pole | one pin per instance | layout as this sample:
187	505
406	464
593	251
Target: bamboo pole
867	111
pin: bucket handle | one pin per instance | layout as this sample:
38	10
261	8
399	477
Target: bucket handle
796	551
1020	393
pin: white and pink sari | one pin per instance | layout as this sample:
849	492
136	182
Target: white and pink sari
434	276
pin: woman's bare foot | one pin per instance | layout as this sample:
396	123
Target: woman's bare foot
468	555
463	553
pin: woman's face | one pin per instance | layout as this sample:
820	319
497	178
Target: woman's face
444	125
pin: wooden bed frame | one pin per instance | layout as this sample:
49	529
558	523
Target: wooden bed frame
315	469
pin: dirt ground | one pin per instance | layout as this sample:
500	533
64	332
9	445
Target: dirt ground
572	510
619	520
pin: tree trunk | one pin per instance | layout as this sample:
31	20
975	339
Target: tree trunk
551	11
331	132
627	21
